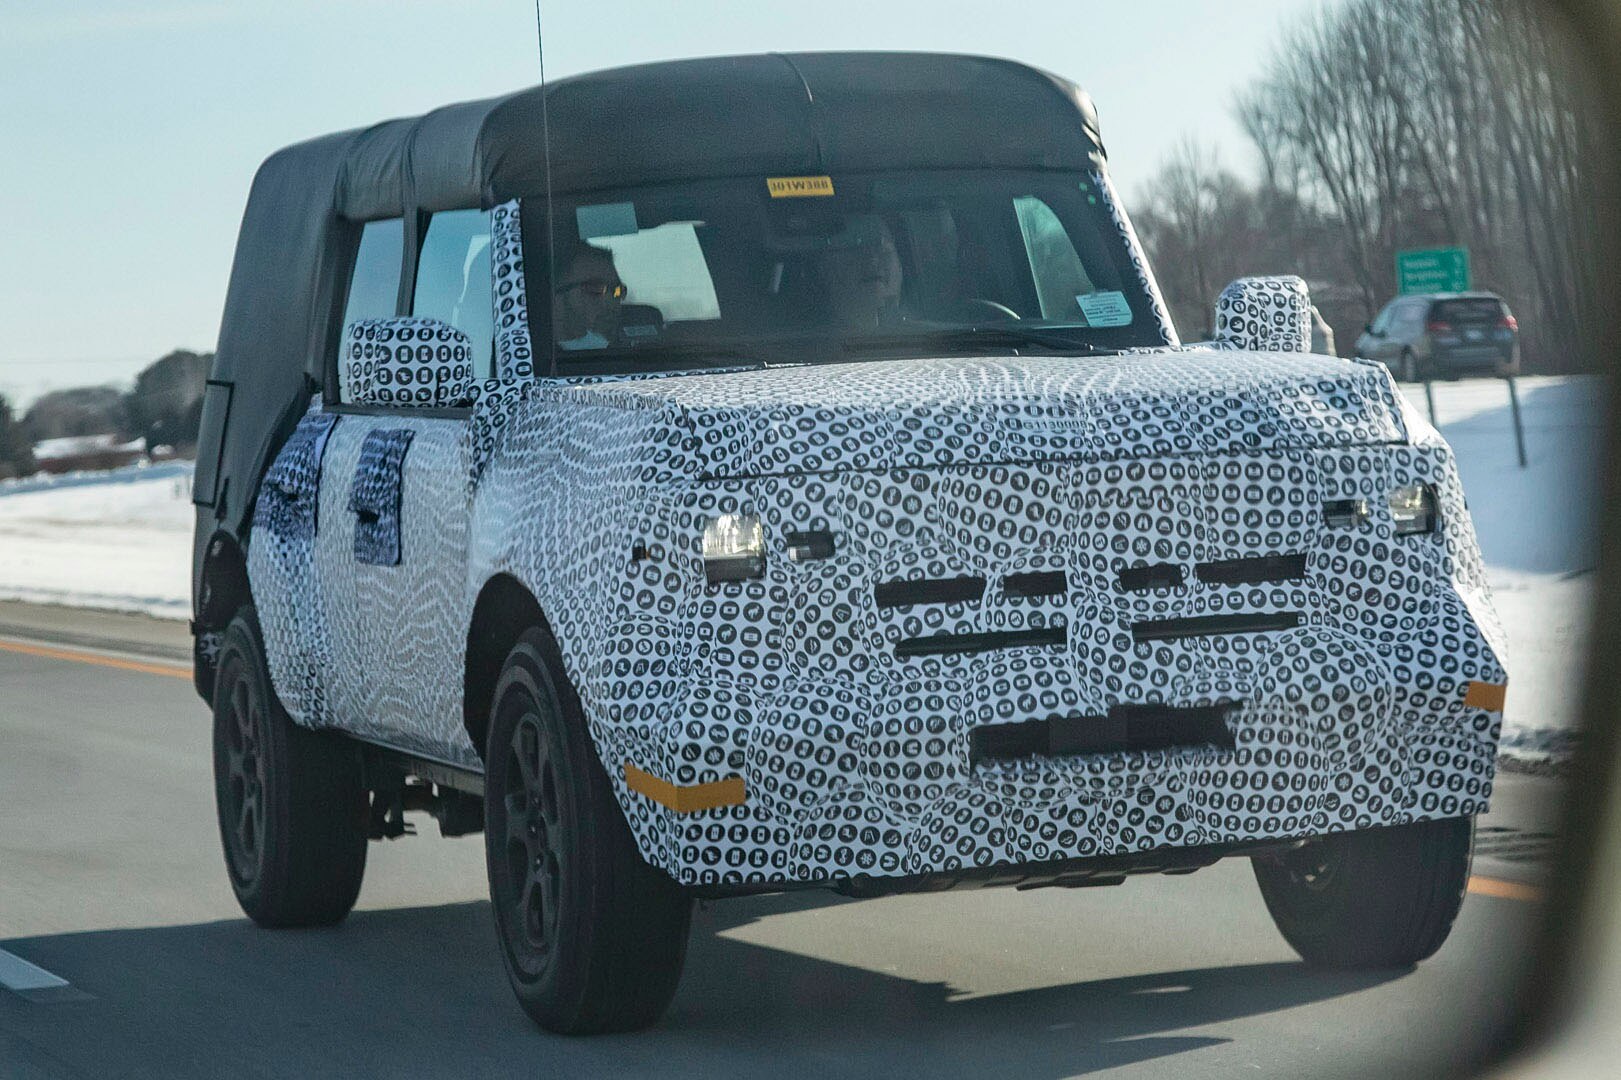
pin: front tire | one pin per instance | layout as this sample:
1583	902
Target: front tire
291	801
1409	367
1375	898
592	937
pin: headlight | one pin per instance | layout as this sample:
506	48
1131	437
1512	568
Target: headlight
734	548
1412	508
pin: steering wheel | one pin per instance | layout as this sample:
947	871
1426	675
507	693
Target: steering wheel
999	309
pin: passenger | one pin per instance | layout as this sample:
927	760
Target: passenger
861	271
585	302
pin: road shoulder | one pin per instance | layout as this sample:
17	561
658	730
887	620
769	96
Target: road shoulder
143	635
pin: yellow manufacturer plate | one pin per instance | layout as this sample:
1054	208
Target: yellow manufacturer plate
799	187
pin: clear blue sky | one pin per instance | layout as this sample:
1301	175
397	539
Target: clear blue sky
129	131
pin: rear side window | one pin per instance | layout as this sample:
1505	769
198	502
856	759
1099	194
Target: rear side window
453	280
375	285
1410	318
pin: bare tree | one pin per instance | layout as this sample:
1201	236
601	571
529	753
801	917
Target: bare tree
1203	226
1413	123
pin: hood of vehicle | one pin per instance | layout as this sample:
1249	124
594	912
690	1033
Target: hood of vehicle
982	410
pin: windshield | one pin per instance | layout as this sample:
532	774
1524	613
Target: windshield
818	269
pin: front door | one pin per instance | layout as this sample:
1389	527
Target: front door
393	570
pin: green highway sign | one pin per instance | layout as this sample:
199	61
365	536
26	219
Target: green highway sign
1432	270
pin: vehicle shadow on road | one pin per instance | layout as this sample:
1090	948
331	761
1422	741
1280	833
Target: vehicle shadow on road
419	991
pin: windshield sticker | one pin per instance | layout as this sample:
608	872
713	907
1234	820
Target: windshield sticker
606	219
799	187
1105	308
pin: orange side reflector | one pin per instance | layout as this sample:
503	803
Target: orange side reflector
685	799
1485	695
1505	890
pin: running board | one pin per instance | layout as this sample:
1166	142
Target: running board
442	773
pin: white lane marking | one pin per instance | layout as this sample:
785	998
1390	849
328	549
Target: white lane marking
19	975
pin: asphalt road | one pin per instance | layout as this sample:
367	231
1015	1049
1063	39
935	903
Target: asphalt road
111	881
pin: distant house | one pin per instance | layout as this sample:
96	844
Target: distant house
80	453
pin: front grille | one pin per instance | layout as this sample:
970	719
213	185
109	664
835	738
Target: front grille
1212	626
1253	571
956	644
1036	583
904	593
1124	728
1155	576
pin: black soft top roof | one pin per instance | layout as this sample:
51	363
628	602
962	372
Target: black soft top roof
772	115
725	116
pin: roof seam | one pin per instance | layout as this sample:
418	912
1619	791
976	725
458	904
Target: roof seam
811	109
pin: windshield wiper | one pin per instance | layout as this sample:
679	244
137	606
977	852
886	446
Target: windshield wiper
662	353
1005	335
819	347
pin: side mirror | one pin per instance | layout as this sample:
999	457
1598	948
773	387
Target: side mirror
422	363
1264	314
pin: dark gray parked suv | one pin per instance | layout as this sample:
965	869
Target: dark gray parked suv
1443	336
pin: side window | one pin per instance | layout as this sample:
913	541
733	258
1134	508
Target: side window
1381	323
1412	318
375	284
453	280
1054	264
664	268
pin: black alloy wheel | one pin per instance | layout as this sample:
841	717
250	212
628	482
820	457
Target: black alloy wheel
1373	898
533	824
1409	366
292	802
593	938
242	810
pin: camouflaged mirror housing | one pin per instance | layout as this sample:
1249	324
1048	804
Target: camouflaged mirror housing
1021	590
1264	314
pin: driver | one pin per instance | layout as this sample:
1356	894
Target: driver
586	300
861	270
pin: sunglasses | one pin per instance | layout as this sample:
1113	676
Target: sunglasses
596	288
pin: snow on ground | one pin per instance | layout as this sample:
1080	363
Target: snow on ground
122	540
1537	529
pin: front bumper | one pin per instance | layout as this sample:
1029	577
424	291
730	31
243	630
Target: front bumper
844	779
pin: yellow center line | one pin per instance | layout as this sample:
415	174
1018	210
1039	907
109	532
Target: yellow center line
173	671
1505	890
